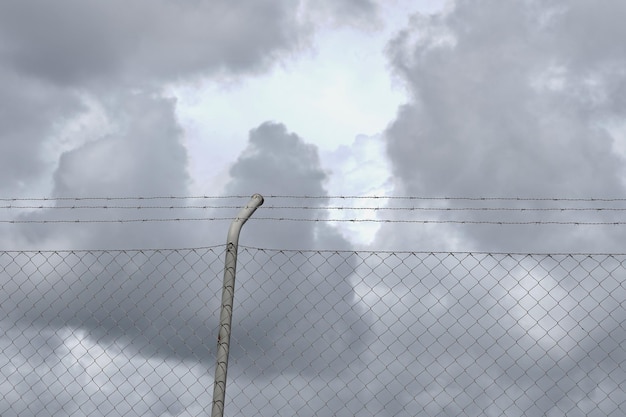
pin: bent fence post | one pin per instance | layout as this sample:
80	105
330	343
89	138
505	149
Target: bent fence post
228	293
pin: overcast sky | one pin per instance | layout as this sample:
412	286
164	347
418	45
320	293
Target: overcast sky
428	98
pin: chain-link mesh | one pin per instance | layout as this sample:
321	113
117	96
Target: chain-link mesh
315	333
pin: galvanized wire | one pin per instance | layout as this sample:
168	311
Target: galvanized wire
317	220
317	208
316	333
321	197
512	211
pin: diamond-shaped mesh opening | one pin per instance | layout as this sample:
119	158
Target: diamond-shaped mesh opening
315	333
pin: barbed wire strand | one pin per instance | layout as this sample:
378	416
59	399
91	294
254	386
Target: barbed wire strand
340	208
288	219
329	197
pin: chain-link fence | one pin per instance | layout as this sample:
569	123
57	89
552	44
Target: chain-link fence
315	333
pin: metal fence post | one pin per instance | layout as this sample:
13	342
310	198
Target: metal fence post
228	293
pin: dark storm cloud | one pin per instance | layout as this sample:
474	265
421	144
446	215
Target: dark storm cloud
50	55
296	313
280	163
272	151
109	297
61	373
30	112
512	99
72	42
142	156
76	316
507	99
114	305
474	334
360	13
114	333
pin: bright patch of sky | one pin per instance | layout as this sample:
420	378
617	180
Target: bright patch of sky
340	96
329	95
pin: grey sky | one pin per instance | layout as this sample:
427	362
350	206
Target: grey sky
28	112
72	43
512	99
504	99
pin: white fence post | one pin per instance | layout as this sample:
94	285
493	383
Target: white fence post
228	293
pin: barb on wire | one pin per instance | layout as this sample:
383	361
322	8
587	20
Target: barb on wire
447	198
112	198
368	205
437	221
115	207
338	208
142	220
317	197
291	219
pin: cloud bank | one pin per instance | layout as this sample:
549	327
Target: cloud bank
506	99
511	100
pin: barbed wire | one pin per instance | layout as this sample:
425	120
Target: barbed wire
322	197
21	203
448	198
438	221
112	198
340	208
291	219
142	220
